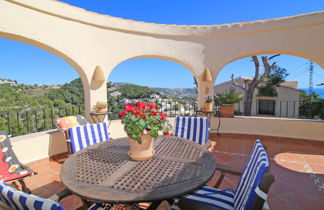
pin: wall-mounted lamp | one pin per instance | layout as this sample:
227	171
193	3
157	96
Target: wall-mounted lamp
98	75
207	76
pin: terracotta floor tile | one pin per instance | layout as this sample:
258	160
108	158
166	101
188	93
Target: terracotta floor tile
280	188
296	167
294	187
282	204
228	183
248	146
214	179
71	202
52	166
313	157
306	201
318	147
43	192
238	164
222	145
223	158
236	145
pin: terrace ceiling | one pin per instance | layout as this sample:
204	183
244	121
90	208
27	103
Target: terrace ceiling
87	40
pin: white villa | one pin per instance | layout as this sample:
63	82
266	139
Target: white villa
286	104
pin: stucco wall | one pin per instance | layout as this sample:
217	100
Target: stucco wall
40	145
279	127
87	40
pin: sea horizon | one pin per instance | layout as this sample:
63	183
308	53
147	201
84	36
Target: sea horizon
318	91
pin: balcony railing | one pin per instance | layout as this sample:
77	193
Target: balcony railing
32	121
171	108
289	109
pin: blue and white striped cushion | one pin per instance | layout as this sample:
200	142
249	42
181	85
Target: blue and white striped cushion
252	176
87	135
21	201
221	199
192	128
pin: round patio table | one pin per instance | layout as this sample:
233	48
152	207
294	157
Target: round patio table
104	173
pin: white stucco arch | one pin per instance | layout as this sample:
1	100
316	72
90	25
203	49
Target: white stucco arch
264	52
47	48
90	40
283	52
175	60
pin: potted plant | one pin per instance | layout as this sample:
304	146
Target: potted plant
208	105
100	107
226	102
142	123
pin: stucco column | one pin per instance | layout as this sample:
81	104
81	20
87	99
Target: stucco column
204	89
96	91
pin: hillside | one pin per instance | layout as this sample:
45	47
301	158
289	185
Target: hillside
181	93
132	91
16	97
177	92
21	97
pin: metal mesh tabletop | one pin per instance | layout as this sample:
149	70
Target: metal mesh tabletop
105	173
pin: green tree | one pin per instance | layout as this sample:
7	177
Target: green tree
132	91
271	73
311	105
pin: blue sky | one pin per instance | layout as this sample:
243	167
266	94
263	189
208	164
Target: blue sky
30	65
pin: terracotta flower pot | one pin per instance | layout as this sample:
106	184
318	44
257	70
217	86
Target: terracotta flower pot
226	110
142	151
208	107
101	110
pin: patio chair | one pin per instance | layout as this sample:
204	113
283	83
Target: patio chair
87	135
251	192
11	169
11	198
193	128
64	123
79	133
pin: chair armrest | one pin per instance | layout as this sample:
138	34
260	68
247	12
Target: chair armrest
225	169
229	169
60	195
24	166
192	205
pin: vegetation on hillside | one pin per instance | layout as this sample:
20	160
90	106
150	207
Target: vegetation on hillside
132	91
16	98
69	93
38	106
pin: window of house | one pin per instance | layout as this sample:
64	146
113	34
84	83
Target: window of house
267	107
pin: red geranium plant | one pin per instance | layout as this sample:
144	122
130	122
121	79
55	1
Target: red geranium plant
144	119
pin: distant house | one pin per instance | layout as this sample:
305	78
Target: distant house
154	96
7	81
286	104
115	94
125	101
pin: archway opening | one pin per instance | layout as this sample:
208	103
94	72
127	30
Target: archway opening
36	88
300	93
153	80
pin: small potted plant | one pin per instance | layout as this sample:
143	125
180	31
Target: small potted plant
226	102
142	123
208	105
100	107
